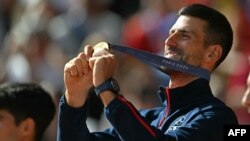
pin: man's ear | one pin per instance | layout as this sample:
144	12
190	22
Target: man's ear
213	53
27	129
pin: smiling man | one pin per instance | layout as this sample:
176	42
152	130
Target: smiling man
201	37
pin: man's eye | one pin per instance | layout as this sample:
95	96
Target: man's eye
185	36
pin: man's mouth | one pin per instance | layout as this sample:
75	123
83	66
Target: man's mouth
170	54
174	53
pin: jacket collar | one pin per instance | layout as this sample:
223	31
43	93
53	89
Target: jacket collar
197	90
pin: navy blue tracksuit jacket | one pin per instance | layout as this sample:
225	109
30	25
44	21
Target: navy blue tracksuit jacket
189	113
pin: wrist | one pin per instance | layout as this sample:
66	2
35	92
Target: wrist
75	100
106	97
108	85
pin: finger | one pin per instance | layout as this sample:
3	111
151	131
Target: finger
70	69
85	64
88	50
78	65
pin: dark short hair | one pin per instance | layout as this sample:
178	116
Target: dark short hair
28	100
218	29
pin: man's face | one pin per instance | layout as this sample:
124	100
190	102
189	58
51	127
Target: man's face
186	41
8	128
246	98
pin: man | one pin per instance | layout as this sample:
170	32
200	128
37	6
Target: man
201	37
26	110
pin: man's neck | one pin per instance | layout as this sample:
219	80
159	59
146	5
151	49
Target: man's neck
180	80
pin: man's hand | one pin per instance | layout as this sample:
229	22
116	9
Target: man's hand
103	65
78	78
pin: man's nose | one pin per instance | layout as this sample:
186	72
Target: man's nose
171	40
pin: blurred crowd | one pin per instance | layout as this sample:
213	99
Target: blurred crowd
37	37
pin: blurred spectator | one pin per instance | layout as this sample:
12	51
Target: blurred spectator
238	77
125	8
6	23
6	11
86	21
245	101
31	46
36	59
26	110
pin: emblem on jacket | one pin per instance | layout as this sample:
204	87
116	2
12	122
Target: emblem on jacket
177	123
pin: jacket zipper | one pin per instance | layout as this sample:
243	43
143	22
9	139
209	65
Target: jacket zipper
167	109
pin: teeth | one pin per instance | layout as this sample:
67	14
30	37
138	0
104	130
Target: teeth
171	54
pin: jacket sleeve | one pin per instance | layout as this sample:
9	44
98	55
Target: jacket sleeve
129	123
72	125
